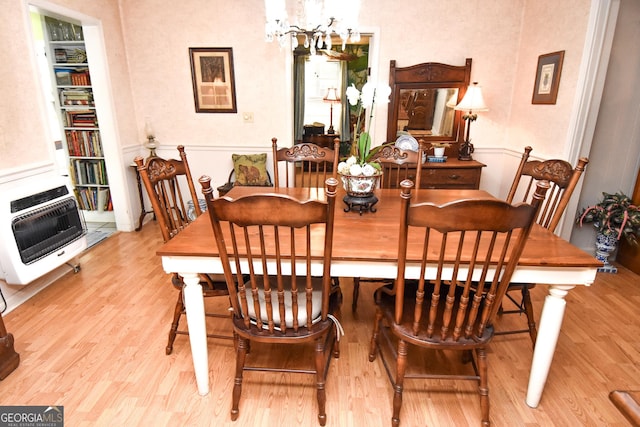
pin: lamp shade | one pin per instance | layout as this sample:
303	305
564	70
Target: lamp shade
332	95
472	100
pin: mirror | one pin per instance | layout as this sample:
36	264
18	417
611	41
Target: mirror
423	98
427	112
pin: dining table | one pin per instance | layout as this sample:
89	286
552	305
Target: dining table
365	245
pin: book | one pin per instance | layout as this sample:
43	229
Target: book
103	199
435	159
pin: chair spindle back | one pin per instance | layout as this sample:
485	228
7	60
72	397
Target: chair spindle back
265	240
165	182
398	165
562	177
470	278
307	165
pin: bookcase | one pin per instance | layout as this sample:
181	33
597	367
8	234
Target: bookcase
80	129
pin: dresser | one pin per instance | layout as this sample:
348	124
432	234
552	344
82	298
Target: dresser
453	173
421	105
323	140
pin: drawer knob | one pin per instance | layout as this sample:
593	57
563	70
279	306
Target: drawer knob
454	177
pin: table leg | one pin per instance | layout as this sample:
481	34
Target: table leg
143	210
194	306
548	332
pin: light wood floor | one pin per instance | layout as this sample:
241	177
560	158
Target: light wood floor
94	342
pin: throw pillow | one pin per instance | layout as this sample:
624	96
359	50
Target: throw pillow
251	169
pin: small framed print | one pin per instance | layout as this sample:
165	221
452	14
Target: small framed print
545	89
214	89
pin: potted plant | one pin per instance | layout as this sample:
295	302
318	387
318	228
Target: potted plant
438	148
359	173
614	217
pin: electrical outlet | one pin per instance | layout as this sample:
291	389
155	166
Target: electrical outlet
247	117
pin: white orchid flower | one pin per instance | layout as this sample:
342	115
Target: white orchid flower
382	93
353	94
368	93
352	161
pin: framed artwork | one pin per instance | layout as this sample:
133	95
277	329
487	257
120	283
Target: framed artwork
545	89
214	88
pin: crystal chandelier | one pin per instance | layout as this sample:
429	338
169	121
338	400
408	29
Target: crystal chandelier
316	20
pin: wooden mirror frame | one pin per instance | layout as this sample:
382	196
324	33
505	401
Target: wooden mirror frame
429	75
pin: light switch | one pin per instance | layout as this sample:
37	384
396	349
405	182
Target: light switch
247	117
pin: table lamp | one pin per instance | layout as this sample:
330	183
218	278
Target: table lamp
332	98
151	143
471	103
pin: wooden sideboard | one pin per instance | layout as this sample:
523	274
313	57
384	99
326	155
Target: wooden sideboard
323	140
453	173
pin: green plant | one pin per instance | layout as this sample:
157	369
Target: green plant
615	215
440	144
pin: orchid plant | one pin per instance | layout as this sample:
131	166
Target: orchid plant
360	163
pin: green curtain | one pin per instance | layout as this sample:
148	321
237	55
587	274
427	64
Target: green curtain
299	96
345	124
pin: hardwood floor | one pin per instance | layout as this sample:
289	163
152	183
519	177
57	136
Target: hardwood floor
94	342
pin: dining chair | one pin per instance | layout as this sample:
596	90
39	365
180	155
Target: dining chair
466	253
278	249
173	197
563	179
397	165
306	164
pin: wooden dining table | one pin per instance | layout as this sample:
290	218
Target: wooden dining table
365	245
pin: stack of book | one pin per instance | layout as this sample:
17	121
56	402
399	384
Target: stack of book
94	199
72	56
81	118
80	77
76	97
72	76
84	143
88	172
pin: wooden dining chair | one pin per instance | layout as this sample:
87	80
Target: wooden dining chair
397	165
563	179
175	204
278	249
466	253
306	164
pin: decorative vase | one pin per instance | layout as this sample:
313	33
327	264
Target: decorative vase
360	190
360	185
606	244
438	151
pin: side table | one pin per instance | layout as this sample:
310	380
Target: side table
143	211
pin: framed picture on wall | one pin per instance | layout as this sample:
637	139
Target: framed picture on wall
214	88
545	89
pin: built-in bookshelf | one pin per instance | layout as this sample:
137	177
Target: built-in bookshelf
78	118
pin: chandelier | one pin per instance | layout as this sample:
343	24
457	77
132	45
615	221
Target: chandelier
316	21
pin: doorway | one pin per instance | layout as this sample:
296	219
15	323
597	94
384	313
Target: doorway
321	110
56	76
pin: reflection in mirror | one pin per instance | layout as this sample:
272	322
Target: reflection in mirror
427	112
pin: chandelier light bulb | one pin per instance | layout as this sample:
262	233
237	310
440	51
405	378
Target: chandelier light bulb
316	19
